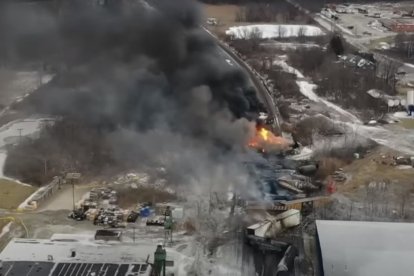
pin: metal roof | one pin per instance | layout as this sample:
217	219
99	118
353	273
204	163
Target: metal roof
21	268
360	248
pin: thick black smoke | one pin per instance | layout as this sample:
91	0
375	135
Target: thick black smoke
128	61
145	73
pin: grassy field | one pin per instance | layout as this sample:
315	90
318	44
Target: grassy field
371	168
225	14
3	223
407	123
376	42
12	194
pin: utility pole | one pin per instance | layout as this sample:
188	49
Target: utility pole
73	193
45	166
72	177
20	134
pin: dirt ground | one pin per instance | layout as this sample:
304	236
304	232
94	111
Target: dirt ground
372	168
12	193
63	199
225	14
407	123
129	198
3	223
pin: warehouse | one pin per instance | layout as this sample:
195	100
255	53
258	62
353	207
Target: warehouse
362	248
399	25
81	255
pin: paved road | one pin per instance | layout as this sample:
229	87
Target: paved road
329	27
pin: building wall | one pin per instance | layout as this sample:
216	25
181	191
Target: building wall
403	27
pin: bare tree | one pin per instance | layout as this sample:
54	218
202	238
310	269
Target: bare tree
255	34
281	31
387	70
302	33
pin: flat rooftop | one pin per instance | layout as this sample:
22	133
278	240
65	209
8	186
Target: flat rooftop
80	255
70	269
85	250
359	248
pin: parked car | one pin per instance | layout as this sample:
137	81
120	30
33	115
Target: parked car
132	217
78	215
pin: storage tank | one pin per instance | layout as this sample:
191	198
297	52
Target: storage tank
290	218
410	97
396	102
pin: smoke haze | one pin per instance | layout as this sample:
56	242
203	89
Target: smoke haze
144	74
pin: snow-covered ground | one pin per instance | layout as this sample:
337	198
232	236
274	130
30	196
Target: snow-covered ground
304	154
16	85
402	115
5	230
11	133
274	31
307	89
289	45
397	138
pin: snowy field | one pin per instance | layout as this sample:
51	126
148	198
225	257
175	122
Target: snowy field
15	86
11	132
274	31
289	45
398	139
307	89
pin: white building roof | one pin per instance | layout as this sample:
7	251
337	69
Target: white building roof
86	251
357	248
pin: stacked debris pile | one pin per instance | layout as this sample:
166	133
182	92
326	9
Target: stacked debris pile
339	176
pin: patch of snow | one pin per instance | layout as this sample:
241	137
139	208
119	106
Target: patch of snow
18	128
409	65
11	132
384	45
402	115
287	68
25	204
304	154
289	45
404	167
274	30
5	230
375	93
399	139
307	89
3	156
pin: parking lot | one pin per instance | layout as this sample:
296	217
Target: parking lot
360	26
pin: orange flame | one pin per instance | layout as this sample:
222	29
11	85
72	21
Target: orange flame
265	140
264	133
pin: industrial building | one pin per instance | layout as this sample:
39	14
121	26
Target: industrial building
362	248
80	255
399	25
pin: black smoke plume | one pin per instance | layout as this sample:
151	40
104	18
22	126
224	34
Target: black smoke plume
145	75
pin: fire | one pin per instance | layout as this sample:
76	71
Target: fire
264	133
265	140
